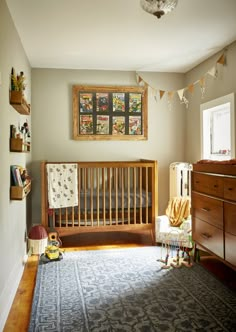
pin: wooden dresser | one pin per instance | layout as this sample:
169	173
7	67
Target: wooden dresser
213	206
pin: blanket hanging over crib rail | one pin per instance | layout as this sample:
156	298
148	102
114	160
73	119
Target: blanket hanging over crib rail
62	185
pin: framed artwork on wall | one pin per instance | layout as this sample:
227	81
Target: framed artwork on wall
109	112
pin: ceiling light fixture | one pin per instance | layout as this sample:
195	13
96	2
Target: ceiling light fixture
158	7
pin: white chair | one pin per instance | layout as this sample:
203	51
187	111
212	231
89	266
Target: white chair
181	234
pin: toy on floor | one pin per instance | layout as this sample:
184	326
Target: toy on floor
52	253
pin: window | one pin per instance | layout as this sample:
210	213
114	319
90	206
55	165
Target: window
218	129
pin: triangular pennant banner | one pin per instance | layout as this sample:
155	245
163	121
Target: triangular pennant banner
170	94
202	81
153	92
221	59
191	88
212	71
140	80
161	92
180	93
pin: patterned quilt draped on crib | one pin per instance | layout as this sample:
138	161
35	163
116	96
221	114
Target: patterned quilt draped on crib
62	185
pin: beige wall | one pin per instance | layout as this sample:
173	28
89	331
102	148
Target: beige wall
52	125
13	214
224	84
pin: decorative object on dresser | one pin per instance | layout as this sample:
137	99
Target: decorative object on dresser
214	208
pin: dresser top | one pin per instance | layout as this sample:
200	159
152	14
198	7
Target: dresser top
215	167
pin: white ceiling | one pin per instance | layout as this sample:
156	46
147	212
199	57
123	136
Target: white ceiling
120	35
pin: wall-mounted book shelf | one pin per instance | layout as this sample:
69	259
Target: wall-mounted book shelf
18	101
18	145
19	193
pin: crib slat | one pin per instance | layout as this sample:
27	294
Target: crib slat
134	207
116	195
110	174
140	196
91	193
122	195
79	194
128	203
85	196
66	216
73	216
146	195
103	196
98	208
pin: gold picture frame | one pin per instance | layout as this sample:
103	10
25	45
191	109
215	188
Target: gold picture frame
109	112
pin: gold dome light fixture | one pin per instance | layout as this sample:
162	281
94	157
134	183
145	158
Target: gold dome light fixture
158	7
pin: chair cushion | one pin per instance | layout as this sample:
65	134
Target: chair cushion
165	233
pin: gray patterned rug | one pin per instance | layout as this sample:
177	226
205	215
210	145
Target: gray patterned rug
127	290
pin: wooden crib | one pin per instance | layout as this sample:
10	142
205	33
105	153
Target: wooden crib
112	196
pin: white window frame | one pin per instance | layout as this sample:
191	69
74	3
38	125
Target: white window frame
209	107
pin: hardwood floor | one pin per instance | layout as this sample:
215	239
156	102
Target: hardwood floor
19	315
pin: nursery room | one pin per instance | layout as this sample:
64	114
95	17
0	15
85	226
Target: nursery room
118	165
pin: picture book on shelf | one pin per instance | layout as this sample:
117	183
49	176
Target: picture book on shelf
19	176
16	176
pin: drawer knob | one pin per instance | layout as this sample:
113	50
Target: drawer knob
216	186
230	188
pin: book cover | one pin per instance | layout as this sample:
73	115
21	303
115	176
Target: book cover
135	125
102	102
118	125
14	181
102	125
135	102
118	101
86	124
86	102
16	176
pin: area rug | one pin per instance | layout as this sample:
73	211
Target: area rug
128	290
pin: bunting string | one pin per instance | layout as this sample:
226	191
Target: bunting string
159	93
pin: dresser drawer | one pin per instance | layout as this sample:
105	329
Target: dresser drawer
230	188
208	184
230	218
230	248
210	237
207	209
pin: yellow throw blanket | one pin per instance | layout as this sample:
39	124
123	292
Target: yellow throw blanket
178	209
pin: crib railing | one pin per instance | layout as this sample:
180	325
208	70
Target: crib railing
110	195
